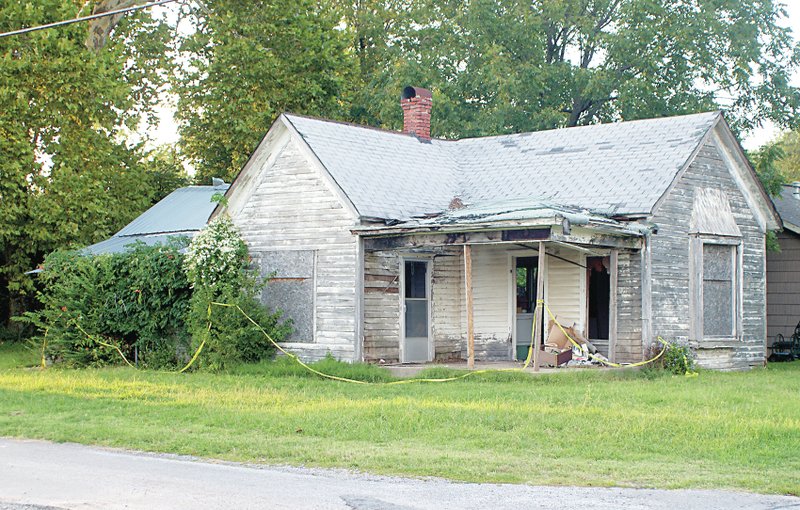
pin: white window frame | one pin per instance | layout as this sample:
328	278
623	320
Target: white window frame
696	286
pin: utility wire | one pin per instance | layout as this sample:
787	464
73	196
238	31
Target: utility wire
85	18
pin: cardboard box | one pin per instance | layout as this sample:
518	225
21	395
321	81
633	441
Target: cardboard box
548	359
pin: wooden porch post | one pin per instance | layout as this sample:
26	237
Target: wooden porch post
539	310
470	323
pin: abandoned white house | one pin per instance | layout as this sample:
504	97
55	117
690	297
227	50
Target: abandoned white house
398	247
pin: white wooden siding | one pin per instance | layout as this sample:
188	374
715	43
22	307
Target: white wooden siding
382	305
490	288
670	265
566	287
447	299
292	207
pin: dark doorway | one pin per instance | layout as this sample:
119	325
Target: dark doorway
525	272
599	296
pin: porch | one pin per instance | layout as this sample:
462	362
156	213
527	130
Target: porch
456	292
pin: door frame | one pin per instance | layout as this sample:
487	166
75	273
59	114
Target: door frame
402	304
513	255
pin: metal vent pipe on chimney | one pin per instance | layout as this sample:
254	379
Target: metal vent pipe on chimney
417	103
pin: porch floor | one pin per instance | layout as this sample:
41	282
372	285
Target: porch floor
412	369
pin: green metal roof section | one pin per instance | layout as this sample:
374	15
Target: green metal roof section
184	212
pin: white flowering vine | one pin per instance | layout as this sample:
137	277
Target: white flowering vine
217	255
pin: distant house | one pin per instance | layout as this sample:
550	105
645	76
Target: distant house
783	269
184	212
397	247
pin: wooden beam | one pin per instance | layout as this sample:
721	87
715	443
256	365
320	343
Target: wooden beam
613	305
647	295
538	315
581	236
470	319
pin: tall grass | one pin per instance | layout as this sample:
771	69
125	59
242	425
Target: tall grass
18	354
644	429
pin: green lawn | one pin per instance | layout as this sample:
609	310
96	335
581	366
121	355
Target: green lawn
722	430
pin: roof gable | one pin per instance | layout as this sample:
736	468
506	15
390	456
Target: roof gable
281	133
615	169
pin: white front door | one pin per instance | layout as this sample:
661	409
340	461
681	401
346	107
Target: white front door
416	311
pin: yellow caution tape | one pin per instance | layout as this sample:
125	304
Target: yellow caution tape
528	359
355	381
596	358
104	344
44	347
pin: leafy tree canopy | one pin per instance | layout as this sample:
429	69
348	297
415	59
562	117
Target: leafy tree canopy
509	66
248	62
495	66
67	176
789	163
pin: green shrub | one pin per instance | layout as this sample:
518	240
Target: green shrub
136	301
678	359
218	269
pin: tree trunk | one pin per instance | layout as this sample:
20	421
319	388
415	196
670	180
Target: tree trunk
100	29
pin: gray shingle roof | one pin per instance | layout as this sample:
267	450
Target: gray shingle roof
385	174
618	168
184	212
788	207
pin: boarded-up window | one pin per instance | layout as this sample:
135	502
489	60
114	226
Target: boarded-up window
291	288
719	290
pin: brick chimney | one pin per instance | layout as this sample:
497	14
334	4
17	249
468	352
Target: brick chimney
417	103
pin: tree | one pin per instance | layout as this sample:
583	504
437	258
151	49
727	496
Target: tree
789	164
508	66
248	62
765	162
165	172
496	66
67	175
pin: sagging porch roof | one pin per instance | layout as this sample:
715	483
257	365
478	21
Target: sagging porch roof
512	220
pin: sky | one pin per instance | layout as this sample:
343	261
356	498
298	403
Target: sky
167	130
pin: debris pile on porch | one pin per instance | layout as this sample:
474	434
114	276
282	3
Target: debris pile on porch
559	351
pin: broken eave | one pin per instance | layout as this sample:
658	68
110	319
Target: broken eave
564	222
607	234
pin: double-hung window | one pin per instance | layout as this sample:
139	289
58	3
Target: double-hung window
715	273
719	290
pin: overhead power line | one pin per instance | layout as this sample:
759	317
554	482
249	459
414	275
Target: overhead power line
85	18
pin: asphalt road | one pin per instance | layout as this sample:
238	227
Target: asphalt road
37	475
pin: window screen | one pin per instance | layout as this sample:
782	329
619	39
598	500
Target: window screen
416	279
719	303
416	299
